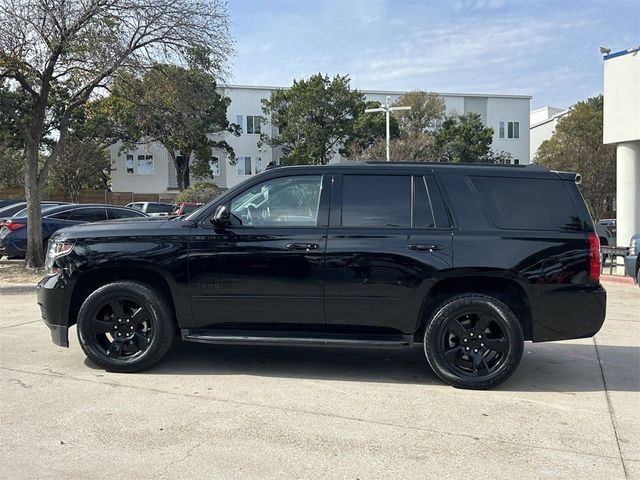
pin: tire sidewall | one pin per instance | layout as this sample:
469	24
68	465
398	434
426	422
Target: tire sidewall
136	292
460	305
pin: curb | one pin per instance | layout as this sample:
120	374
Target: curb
17	288
616	279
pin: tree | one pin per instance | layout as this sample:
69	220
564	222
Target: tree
201	192
499	157
576	146
368	129
418	147
54	55
82	165
464	138
427	109
179	108
314	118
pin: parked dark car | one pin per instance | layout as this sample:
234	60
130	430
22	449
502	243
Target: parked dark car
13	232
11	210
632	260
10	201
185	208
468	261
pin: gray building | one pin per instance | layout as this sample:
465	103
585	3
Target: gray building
149	169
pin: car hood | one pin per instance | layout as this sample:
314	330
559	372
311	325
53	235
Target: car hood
120	228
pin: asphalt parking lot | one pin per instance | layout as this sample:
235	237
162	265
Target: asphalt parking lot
571	410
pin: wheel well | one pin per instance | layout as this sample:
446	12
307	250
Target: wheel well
505	290
91	281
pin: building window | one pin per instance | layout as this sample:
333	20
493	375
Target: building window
244	165
501	129
254	124
240	123
145	165
129	164
258	165
514	129
516	161
214	165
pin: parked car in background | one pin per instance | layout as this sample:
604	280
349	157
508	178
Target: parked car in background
13	233
10	201
467	261
11	210
610	225
185	208
153	209
632	260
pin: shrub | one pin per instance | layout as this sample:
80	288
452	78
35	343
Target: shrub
202	192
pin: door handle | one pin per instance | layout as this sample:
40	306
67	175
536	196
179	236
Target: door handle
424	247
302	246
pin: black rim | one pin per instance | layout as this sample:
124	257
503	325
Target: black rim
474	344
121	329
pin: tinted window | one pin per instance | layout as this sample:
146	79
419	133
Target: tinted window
286	202
527	203
88	214
437	203
189	208
159	208
422	212
376	201
61	215
115	213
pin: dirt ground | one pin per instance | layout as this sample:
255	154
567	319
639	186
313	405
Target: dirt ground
13	272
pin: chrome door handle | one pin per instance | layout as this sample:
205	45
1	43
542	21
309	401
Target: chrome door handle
425	247
302	246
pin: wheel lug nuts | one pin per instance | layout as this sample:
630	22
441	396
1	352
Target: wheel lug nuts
465	340
119	334
482	344
115	327
127	320
119	320
479	336
475	350
471	334
467	349
131	328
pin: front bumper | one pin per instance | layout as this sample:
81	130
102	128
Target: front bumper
631	266
54	299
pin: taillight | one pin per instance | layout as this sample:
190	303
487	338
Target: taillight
14	226
594	257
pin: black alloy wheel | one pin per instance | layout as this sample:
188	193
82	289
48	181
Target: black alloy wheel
474	341
125	326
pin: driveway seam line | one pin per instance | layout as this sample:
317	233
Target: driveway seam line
19	324
610	407
307	412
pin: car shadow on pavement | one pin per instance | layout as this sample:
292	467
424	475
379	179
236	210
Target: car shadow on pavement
554	367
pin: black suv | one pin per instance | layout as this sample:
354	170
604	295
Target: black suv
467	260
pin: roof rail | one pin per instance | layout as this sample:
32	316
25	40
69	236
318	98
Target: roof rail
530	166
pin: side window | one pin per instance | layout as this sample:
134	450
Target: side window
376	201
279	202
61	215
437	202
527	203
422	211
115	213
159	208
95	214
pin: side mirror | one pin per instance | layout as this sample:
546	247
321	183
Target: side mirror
221	217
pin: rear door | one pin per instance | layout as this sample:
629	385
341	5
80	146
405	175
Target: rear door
389	238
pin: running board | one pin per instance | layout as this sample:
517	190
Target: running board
224	337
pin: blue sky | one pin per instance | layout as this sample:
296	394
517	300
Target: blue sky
547	49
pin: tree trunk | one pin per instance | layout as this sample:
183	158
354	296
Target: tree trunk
33	195
182	171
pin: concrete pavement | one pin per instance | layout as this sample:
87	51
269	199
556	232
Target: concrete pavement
571	410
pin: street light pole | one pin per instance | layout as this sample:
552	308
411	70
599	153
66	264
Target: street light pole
387	109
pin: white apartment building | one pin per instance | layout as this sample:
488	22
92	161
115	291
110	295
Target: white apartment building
149	168
543	123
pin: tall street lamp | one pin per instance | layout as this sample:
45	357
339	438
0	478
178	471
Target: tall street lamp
387	108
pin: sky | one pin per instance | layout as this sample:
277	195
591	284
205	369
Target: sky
546	49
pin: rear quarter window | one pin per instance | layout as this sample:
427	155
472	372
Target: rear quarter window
527	203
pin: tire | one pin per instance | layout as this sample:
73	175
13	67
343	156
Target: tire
125	327
473	341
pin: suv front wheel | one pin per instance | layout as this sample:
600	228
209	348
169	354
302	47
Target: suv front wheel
125	326
473	341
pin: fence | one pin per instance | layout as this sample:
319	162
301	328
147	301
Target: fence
97	196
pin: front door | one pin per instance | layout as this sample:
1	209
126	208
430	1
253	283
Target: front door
265	269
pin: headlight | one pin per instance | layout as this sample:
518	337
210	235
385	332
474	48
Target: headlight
56	250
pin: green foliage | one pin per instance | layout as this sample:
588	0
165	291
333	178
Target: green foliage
201	192
499	157
576	146
417	147
178	107
314	118
464	138
427	109
369	128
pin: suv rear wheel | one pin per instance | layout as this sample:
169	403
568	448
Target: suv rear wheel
473	341
125	327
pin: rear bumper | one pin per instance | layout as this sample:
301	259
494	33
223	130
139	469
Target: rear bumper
569	313
54	299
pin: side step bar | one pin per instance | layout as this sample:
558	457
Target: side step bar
224	337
